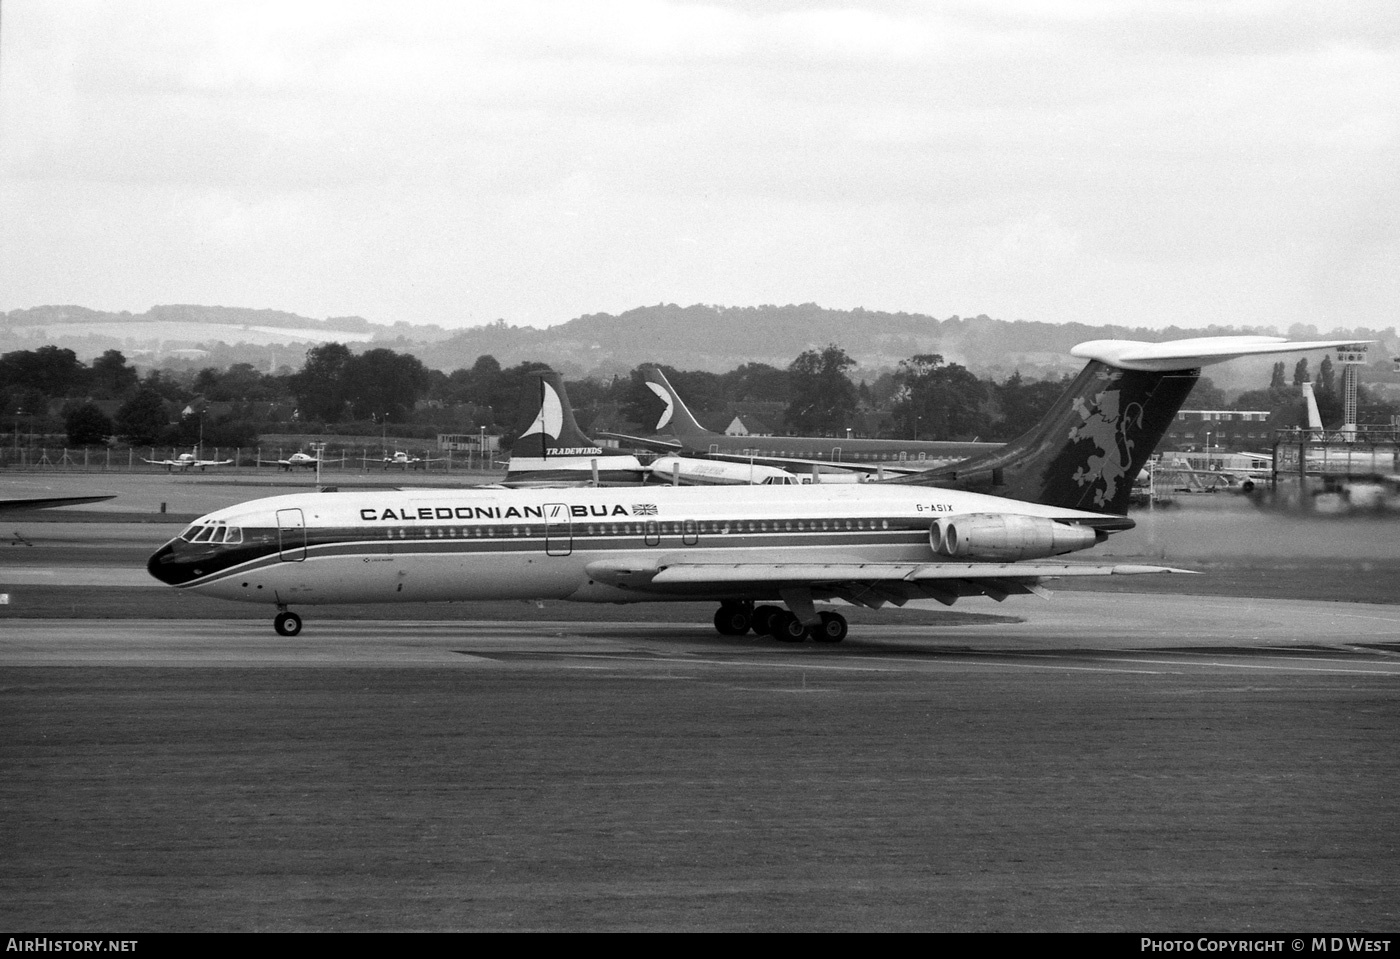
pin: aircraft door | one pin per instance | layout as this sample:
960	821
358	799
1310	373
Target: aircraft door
690	532
558	530
836	454
652	531
291	535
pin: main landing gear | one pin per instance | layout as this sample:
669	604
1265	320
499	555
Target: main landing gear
736	619
286	624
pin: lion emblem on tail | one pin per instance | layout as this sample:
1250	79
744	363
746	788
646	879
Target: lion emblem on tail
1106	425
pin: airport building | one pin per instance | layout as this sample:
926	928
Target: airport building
478	442
1225	430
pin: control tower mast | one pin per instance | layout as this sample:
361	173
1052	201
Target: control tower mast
1351	358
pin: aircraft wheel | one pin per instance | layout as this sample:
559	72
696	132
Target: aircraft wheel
287	624
788	628
831	630
732	621
763	619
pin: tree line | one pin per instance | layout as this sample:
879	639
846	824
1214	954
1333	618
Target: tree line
337	390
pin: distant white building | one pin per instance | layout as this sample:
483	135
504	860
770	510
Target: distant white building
744	425
469	442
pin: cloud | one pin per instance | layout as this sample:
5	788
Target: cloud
538	160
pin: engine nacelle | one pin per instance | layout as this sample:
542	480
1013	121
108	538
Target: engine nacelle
1006	536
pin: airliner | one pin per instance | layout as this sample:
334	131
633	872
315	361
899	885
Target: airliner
811	453
552	450
993	525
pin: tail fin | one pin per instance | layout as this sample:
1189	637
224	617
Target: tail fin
1093	441
675	415
1314	417
547	424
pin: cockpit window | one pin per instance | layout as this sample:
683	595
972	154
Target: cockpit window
213	533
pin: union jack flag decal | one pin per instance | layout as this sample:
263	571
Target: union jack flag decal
643	509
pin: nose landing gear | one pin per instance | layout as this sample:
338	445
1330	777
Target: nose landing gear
286	623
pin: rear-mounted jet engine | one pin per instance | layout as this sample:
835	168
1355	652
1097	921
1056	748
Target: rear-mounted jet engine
1006	536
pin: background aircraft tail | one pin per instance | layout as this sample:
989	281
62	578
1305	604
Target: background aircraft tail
675	417
1093	441
1314	417
546	421
551	449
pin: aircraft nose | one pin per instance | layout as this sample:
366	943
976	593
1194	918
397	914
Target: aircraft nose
165	565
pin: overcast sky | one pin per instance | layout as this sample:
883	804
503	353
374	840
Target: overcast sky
1145	163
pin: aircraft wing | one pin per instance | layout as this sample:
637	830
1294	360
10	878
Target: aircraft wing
863	584
50	502
903	572
888	468
645	442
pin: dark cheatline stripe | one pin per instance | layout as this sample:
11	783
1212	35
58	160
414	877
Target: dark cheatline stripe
262	547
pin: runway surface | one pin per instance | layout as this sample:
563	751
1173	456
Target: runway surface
1237	772
1102	761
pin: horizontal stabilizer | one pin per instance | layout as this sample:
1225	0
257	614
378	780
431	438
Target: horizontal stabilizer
1190	354
50	502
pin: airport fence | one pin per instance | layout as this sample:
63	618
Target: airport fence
153	459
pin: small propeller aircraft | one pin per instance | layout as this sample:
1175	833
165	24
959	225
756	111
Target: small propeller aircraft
304	460
186	461
406	461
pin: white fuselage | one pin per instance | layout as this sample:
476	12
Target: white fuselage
480	544
691	471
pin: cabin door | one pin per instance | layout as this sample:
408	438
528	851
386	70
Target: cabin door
558	530
291	535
